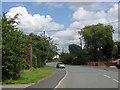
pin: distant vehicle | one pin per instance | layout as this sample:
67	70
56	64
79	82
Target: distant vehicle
118	63
60	65
115	63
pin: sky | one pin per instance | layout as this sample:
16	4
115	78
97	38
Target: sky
62	20
60	0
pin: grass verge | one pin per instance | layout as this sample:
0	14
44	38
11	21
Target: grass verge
32	76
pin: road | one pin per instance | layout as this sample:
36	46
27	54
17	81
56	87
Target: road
89	77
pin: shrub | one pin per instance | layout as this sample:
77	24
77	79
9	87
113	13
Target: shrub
13	44
24	64
34	61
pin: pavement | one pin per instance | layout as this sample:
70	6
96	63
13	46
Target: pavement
15	85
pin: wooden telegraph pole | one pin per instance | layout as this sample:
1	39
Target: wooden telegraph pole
30	52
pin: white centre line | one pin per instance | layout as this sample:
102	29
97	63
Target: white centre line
111	78
107	76
116	80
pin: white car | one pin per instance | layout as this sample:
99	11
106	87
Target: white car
60	65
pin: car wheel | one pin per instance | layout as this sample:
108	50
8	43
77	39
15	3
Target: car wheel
118	66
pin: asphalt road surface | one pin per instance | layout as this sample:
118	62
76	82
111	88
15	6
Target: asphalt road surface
89	77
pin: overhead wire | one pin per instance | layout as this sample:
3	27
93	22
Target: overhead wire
81	28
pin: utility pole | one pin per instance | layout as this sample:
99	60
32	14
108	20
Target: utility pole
30	46
44	33
62	50
80	38
80	41
30	52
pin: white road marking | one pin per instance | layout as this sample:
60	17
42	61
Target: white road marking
116	80
107	76
62	80
111	78
113	66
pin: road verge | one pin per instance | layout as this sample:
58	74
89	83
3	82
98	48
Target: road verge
29	77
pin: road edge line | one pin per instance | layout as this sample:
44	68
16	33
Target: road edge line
62	79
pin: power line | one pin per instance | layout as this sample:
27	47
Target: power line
107	23
81	28
77	28
113	22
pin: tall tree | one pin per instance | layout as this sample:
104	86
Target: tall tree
75	49
98	41
43	48
13	44
78	54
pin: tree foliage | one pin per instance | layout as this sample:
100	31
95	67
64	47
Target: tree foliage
75	49
98	41
13	44
43	48
98	45
76	55
34	61
14	48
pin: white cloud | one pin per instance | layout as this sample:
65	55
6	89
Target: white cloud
82	14
67	34
66	37
33	23
83	17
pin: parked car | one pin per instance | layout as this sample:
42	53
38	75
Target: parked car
118	63
114	63
60	65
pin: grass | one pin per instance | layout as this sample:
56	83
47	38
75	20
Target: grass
32	76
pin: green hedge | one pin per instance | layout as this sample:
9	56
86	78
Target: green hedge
34	61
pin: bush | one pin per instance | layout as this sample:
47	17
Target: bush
13	44
24	64
34	61
68	58
73	59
